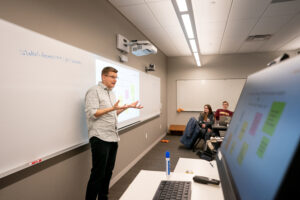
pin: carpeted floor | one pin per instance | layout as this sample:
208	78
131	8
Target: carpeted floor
153	160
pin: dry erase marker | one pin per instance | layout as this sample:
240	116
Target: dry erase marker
168	167
35	162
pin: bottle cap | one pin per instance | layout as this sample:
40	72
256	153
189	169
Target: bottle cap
167	154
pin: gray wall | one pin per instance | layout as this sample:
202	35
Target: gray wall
91	25
214	67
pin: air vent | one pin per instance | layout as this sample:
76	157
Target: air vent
258	37
280	1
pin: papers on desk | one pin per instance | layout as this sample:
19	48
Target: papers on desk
198	167
216	139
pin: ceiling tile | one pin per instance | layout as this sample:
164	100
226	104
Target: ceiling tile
209	51
211	10
210	45
156	34
235	34
286	34
252	46
270	25
161	39
212	29
170	51
285	8
210	36
230	45
140	15
294	44
164	13
239	28
177	37
248	9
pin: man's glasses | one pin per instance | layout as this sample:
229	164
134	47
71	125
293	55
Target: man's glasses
113	77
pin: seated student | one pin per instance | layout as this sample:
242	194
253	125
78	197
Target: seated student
206	120
223	112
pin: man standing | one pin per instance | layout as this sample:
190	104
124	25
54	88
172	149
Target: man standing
224	111
102	110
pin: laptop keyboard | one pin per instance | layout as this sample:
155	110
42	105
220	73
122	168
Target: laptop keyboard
173	190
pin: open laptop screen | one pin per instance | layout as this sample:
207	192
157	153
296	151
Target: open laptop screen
224	120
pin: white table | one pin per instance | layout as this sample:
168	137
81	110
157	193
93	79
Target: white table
146	182
197	167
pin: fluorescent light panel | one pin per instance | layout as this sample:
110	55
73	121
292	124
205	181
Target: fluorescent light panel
196	55
185	21
187	25
193	45
182	5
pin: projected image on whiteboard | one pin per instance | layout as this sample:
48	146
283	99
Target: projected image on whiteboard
126	90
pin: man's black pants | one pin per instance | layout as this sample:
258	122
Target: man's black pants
103	161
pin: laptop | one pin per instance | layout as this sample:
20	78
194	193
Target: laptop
224	120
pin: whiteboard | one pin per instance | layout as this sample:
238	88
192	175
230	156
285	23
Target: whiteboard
42	85
150	96
192	95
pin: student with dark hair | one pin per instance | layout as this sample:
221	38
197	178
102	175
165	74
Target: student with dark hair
206	120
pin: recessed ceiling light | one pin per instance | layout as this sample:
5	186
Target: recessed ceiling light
187	25
196	55
193	45
181	5
186	19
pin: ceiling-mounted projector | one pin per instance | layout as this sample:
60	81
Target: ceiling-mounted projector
142	48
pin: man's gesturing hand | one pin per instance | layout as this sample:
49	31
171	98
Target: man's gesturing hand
135	105
117	107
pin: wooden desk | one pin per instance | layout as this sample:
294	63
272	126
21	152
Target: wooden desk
176	129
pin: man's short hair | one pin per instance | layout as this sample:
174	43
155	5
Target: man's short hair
225	102
108	69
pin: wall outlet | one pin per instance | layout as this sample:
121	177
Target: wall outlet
146	135
123	58
160	126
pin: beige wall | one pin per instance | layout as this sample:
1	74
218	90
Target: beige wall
214	67
91	25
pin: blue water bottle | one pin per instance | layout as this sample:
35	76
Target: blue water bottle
168	167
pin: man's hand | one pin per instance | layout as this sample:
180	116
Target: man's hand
135	105
117	107
122	108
